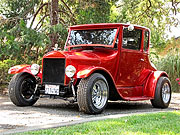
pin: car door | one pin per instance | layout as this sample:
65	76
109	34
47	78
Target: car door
131	58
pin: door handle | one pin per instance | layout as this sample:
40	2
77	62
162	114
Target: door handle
141	59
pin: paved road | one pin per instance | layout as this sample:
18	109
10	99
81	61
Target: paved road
48	113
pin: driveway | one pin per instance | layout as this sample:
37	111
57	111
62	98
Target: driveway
47	113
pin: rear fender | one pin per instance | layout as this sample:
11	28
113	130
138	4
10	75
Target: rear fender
150	86
22	68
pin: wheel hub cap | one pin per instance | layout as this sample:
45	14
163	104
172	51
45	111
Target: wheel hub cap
27	89
99	94
166	93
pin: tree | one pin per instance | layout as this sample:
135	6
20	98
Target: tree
17	41
54	21
158	15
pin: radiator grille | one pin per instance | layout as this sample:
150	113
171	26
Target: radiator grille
53	70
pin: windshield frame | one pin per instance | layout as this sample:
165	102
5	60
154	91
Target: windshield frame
82	45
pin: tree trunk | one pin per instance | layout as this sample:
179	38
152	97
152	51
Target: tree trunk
54	21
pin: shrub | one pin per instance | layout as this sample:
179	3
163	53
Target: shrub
4	67
171	64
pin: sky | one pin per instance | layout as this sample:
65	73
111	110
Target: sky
175	31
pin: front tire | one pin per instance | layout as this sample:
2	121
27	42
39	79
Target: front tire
162	96
21	89
92	94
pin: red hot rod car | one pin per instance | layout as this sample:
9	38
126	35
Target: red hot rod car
100	62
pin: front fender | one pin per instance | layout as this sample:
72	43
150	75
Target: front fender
150	86
22	68
85	72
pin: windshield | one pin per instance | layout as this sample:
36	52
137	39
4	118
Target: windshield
95	36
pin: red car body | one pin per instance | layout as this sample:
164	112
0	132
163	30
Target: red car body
129	73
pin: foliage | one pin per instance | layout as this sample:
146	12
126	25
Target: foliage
24	39
4	66
171	64
154	14
61	31
15	10
144	124
178	81
151	13
169	61
22	43
93	11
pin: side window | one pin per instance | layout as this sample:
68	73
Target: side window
146	40
132	39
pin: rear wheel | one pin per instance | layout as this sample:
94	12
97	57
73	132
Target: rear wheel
162	96
92	94
22	89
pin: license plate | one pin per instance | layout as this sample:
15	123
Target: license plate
52	89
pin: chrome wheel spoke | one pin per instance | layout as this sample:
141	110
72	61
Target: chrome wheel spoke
99	94
166	93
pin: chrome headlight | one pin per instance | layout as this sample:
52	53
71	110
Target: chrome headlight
35	68
70	71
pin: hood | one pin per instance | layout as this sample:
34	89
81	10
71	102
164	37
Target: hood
75	57
96	57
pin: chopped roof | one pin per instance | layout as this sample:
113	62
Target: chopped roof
103	25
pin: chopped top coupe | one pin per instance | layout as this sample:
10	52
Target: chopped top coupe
100	62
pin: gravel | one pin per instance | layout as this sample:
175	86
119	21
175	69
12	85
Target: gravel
48	113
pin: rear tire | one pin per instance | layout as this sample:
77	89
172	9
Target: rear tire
21	89
162	96
92	94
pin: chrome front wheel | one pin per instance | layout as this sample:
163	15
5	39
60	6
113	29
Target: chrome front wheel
92	94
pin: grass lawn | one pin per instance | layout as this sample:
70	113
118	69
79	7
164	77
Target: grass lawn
146	124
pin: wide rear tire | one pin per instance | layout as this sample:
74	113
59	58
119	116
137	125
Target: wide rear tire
21	89
162	96
92	94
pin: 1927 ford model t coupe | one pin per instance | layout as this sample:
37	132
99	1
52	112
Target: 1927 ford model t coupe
100	62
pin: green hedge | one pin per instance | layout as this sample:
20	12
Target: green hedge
4	67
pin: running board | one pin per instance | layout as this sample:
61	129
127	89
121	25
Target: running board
137	98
